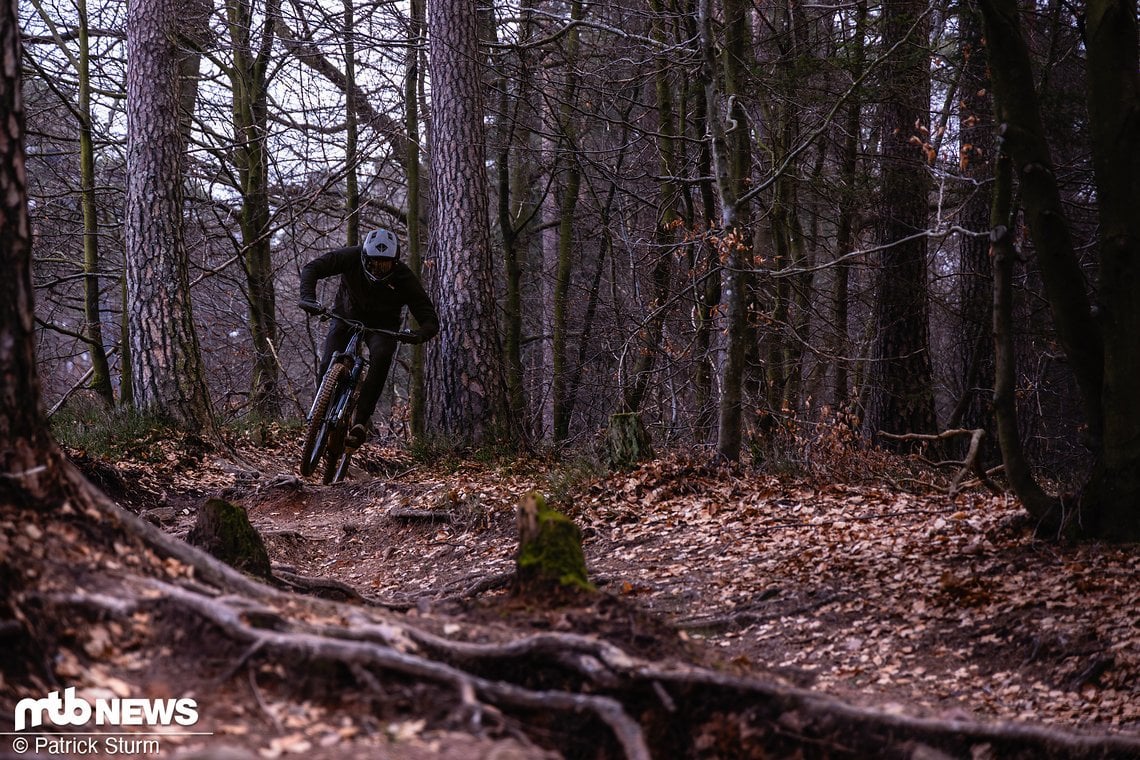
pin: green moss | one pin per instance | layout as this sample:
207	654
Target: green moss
224	530
627	441
550	549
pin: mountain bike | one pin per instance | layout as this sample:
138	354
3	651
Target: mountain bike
331	415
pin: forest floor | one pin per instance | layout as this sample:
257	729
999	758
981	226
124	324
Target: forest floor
893	596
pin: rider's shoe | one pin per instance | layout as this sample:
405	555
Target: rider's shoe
355	437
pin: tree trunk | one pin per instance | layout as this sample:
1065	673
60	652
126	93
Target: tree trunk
1023	138
23	429
845	232
1101	345
975	150
33	472
568	161
169	379
250	117
1019	472
665	232
1114	110
515	128
902	396
707	289
730	147
92	307
126	362
416	189
466	400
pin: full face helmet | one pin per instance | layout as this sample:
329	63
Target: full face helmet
378	254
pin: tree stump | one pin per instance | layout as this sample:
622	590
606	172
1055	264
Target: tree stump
550	558
627	441
223	530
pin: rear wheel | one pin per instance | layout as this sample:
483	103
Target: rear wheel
317	434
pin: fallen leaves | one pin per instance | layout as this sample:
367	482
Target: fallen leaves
933	599
858	590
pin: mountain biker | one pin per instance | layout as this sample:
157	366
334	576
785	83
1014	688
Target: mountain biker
375	286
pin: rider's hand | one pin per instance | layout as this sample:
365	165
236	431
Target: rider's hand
410	336
310	307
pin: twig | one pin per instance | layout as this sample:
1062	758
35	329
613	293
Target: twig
421	514
261	702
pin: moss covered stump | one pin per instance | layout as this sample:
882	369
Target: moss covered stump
550	559
627	441
223	529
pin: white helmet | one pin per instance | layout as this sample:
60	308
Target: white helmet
379	251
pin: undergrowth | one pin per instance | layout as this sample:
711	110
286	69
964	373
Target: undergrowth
88	425
831	448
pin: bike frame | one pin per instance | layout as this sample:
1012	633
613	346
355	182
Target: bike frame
353	357
328	419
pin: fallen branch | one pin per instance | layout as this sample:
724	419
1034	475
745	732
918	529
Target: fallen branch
971	461
404	513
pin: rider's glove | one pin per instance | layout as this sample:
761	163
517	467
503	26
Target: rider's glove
410	336
310	307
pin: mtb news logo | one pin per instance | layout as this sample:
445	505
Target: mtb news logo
70	710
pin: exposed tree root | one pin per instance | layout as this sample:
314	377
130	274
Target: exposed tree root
648	708
266	633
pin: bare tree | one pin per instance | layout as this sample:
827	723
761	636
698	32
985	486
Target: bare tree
732	158
1100	343
249	75
465	384
168	376
902	392
30	462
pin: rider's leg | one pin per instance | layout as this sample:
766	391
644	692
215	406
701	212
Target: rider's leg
335	340
381	349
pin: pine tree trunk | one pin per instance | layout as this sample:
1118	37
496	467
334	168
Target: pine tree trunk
976	147
169	379
465	387
22	431
902	396
30	463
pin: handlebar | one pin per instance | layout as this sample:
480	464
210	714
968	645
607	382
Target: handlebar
326	313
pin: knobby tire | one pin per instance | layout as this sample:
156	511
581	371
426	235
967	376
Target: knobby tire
336	461
317	432
333	458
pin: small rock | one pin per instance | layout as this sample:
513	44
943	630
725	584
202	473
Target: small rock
160	515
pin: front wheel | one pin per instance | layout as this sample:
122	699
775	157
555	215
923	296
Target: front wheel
319	427
337	457
336	468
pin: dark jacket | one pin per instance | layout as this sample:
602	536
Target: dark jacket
376	304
